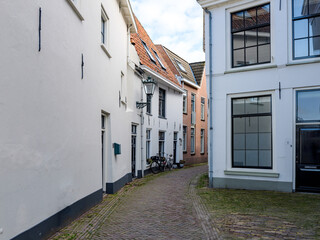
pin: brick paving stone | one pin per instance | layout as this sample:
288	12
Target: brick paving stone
166	207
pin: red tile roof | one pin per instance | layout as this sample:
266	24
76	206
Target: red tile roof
144	57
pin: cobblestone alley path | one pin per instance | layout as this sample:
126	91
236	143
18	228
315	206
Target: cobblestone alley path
166	207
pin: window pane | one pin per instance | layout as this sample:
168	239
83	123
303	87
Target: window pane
238	106
308	105
250	17
264	104
252	158
265	158
238	58
264	35
301	48
310	146
251	55
252	141
314	46
265	124
314	6
300	28
239	141
314	26
264	53
239	158
251	38
251	105
263	13
238	40
300	8
251	124
239	125
237	21
265	141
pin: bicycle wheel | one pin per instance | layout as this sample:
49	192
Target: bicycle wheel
155	168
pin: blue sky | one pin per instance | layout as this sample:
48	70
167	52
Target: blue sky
176	24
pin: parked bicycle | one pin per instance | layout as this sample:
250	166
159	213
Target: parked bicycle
158	163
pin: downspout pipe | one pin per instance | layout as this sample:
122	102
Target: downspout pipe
210	162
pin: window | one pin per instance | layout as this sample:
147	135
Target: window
181	66
162	103
202	108
193	109
148	140
104	21
306	28
185	103
193	149
133	129
161	143
148	51
75	5
251	36
252	132
149	97
161	64
202	140
184	138
308	106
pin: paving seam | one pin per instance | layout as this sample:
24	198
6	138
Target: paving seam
202	212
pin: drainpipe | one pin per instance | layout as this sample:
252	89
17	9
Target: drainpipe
210	103
141	133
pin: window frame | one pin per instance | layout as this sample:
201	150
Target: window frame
252	115
104	41
148	144
148	51
203	100
159	60
184	139
305	17
180	66
162	141
162	103
192	143
202	141
75	5
185	103
244	29
149	104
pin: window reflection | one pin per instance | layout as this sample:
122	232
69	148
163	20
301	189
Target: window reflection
308	106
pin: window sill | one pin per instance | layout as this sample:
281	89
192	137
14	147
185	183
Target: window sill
303	61
185	152
203	120
192	154
202	153
185	113
104	48
75	9
162	117
250	68
149	114
252	174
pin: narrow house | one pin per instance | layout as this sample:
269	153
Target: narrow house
194	105
263	68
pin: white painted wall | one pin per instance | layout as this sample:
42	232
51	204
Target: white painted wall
228	83
50	122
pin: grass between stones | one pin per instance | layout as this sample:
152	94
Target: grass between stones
246	214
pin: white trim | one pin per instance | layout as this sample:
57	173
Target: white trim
190	83
75	7
164	80
104	48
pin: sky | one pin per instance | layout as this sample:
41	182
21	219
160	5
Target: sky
175	24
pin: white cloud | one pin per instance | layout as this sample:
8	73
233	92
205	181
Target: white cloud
176	24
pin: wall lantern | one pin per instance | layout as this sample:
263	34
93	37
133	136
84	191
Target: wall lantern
149	85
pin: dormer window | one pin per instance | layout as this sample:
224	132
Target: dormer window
161	64
148	51
181	66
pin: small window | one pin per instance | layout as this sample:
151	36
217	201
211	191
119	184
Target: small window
181	66
193	109
184	138
306	28
162	103
149	98
251	36
308	106
159	60
202	108
202	140
185	103
104	25
192	139
133	129
148	51
161	143
148	141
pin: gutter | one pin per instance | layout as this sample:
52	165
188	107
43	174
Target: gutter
190	83
210	160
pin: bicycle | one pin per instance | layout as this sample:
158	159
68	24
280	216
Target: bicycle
168	162
158	164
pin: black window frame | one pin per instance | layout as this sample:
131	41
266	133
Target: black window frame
244	29
162	103
294	19
149	104
250	115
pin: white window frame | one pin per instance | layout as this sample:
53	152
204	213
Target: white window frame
192	143
163	141
185	103
148	144
148	51
181	67
203	108
202	139
75	5
184	138
105	44
159	60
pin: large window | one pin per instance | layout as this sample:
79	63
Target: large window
162	103
202	108
306	28
193	109
252	132
192	140
251	36
148	140
161	143
184	138
149	97
202	140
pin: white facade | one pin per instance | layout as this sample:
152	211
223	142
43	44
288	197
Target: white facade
281	78
51	150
